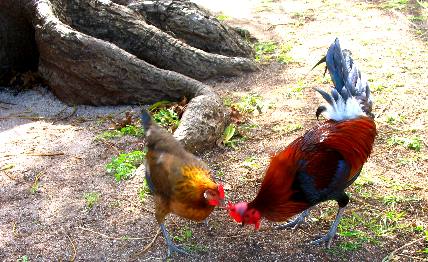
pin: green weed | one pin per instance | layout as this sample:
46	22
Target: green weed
395	4
35	186
23	259
127	130
251	103
250	163
184	235
143	191
91	198
271	51
124	165
222	17
413	143
289	128
167	118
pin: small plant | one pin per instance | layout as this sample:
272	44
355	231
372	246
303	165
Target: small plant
250	163
143	191
250	103
167	118
35	186
132	131
127	130
414	143
185	235
290	128
23	259
228	133
268	51
222	17
91	198
124	165
396	4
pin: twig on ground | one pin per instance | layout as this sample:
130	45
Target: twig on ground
74	248
388	257
112	238
45	154
275	25
148	246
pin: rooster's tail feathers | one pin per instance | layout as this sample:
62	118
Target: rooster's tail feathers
350	97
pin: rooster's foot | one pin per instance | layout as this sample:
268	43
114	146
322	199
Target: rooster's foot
300	219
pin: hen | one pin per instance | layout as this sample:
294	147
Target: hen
322	163
179	181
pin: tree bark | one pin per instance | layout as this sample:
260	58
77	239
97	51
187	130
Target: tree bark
102	53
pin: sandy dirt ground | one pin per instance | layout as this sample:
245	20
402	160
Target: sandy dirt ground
50	156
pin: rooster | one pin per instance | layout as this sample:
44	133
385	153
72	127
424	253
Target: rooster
322	163
179	181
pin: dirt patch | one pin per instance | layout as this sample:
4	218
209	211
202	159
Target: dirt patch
389	201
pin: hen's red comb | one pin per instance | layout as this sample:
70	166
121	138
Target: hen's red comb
221	190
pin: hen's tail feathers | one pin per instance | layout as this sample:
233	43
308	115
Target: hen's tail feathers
350	97
146	119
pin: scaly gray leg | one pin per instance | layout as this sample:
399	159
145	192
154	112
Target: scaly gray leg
171	246
328	238
300	219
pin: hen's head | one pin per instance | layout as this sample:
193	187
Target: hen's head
215	197
241	214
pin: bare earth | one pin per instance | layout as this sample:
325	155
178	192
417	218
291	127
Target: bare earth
389	202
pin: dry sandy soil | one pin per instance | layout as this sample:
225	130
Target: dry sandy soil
388	211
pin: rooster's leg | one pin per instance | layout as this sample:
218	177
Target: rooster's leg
300	219
328	238
171	246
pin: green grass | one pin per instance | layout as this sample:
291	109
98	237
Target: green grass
130	130
222	17
91	198
23	259
250	104
395	4
289	128
143	191
184	235
167	118
250	163
271	51
124	165
413	143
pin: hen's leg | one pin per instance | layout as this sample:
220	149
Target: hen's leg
328	238
300	219
171	246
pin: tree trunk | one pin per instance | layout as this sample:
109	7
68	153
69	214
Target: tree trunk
102	53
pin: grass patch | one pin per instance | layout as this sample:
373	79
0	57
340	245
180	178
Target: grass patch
271	51
124	165
143	191
91	198
130	130
167	118
413	143
222	17
395	4
184	235
35	186
232	137
250	163
251	103
289	128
